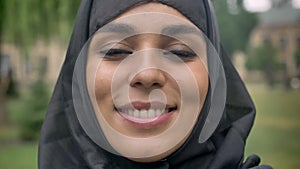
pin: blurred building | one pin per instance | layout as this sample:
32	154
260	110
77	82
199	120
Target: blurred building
42	57
280	26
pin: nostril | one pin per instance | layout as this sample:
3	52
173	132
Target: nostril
149	78
156	84
138	83
146	84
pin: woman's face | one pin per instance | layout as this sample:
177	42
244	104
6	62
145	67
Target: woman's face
147	78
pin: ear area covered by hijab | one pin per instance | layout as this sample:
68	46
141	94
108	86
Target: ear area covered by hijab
64	144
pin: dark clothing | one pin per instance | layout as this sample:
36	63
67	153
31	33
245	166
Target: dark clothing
65	145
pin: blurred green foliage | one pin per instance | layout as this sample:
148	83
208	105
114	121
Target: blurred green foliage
25	21
235	24
34	112
297	57
1	15
12	91
264	58
28	110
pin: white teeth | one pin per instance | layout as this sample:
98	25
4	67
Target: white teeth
151	113
158	112
136	113
130	112
143	114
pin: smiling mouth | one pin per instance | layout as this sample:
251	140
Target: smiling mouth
146	115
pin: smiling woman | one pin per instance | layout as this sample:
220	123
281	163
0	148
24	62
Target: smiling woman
131	76
147	86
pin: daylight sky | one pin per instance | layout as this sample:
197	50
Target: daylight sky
264	5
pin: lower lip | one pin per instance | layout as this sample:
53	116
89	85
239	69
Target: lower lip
147	123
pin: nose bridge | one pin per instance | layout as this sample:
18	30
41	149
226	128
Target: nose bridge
149	73
149	58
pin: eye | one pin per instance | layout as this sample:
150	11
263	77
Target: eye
115	53
180	50
183	54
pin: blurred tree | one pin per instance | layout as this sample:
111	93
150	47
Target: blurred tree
27	20
34	104
235	24
23	22
1	14
280	3
264	58
3	80
297	57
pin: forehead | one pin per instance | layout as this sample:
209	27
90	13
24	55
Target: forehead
150	22
153	7
150	17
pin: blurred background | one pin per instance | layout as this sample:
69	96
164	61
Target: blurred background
261	36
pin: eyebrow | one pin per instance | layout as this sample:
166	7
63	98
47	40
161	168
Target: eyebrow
118	28
179	29
168	30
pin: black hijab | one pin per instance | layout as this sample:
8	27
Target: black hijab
65	145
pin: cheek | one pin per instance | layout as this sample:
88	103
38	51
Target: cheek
103	79
202	81
201	75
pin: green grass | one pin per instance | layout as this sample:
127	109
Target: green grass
18	156
276	133
8	134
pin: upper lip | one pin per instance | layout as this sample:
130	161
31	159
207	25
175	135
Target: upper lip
145	105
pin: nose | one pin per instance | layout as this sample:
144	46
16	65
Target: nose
149	78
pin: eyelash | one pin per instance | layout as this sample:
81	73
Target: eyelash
115	53
183	54
120	53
